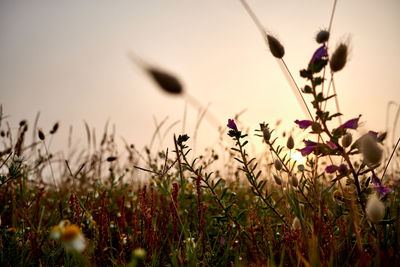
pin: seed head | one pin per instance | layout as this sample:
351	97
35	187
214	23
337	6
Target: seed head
41	135
278	180
278	165
371	151
266	134
339	58
290	142
375	209
294	180
166	81
276	48
322	36
347	140
296	225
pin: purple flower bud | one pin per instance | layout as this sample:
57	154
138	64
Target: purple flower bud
331	168
342	168
331	144
304	124
232	125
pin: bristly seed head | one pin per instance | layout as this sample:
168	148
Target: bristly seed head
275	47
290	142
278	180
322	36
266	134
339	58
278	165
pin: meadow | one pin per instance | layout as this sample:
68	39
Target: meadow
100	206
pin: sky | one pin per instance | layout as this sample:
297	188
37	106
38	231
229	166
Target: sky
68	60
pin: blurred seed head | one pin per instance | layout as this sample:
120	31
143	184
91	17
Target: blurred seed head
375	209
371	151
166	81
55	128
290	142
276	48
339	57
278	164
266	134
322	36
347	139
296	225
294	181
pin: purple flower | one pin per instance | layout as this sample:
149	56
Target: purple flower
331	168
222	241
383	190
304	124
350	124
232	125
331	144
319	53
308	149
342	168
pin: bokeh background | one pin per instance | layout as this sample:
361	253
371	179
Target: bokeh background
68	60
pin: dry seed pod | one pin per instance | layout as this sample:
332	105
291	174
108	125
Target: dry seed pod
276	48
41	135
166	81
278	180
290	142
347	139
278	165
294	181
266	134
339	58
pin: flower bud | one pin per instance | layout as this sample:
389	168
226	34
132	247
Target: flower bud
290	142
278	165
375	209
278	180
296	225
339	58
322	36
371	151
347	139
276	48
294	181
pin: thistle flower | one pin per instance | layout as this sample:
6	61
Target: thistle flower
322	36
375	209
339	58
290	142
347	140
278	164
371	151
276	48
296	225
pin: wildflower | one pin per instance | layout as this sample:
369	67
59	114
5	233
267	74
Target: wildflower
308	149
278	164
346	140
339	58
331	144
290	142
383	190
375	209
350	124
276	48
331	168
222	241
73	238
303	124
320	53
371	151
296	225
322	36
232	125
343	169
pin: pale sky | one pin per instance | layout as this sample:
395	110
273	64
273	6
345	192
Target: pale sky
68	60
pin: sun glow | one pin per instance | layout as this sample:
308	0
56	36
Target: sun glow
298	158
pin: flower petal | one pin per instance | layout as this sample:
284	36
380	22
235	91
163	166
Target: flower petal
304	124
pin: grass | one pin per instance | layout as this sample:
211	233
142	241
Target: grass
92	207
